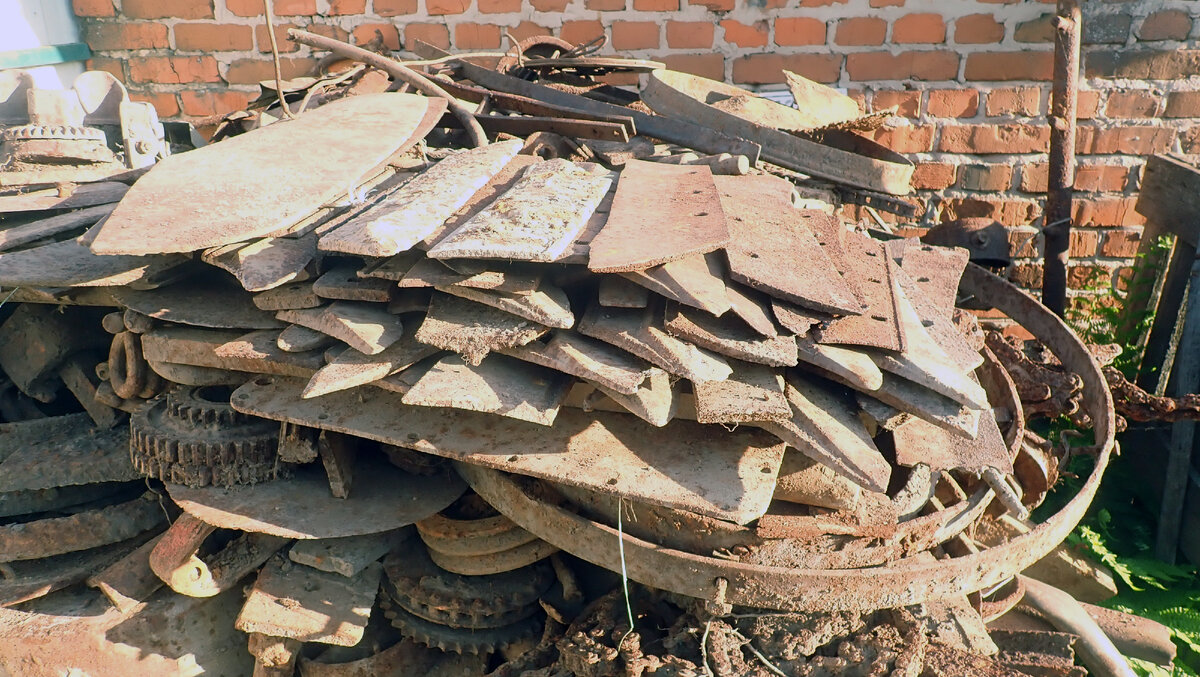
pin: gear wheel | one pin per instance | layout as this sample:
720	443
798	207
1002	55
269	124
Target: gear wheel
459	640
417	578
453	618
187	438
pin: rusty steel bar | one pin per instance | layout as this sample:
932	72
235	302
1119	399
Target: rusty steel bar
1063	99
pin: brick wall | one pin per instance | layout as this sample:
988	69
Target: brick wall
970	77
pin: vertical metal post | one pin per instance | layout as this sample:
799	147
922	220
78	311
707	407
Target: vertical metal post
1063	98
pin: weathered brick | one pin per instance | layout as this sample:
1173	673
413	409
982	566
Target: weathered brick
549	5
278	7
86	8
919	29
253	71
990	178
335	32
202	103
1143	64
904	138
1026	275
1189	139
1008	211
1135	104
173	70
1035	177
711	66
468	35
743	35
864	30
799	31
435	34
1107	212
1106	29
1087	104
952	103
1083	243
263	40
656	5
444	7
1040	29
1022	242
103	63
690	34
759	69
1183	105
528	29
164	103
167	9
934	175
923	65
1101	178
978	29
364	33
1025	101
386	8
213	38
1000	66
635	35
1122	243
1167	24
604	5
344	7
1126	140
581	32
126	35
1089	277
987	139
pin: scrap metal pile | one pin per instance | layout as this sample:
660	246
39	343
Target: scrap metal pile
576	353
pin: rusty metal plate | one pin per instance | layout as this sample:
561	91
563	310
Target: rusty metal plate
71	264
919	441
753	307
685	465
588	359
267	263
25	233
639	332
429	273
855	367
499	385
384	498
393	268
925	404
870	269
84	530
506	277
661	213
935	270
293	296
212	301
655	402
796	319
943	329
345	283
352	368
537	219
774	250
304	604
696	281
72	453
473	329
729	336
617	292
409	215
257	352
33	579
752	393
548	305
214	195
68	197
366	327
496	186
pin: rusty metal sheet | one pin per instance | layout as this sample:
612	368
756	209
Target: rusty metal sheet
393	268
865	164
753	308
29	580
297	339
46	500
499	385
257	352
301	506
71	453
588	359
289	297
348	555
655	401
613	454
91	529
774	250
871	271
307	605
548	305
730	337
536	220
496	186
919	441
752	393
943	329
214	195
617	292
925	404
25	233
509	277
429	273
366	327
353	368
71	264
267	263
409	215
344	283
661	213
935	270
854	366
805	481
212	301
473	329
639	332
795	319
192	375
70	196
128	580
696	281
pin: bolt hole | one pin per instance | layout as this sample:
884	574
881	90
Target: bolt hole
512	459
926	323
263	381
701	213
879	318
322	417
612	482
922	279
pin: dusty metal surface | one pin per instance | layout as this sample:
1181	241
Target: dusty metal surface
730	337
72	453
499	385
366	327
588	359
695	281
208	302
353	368
878	325
348	555
752	393
473	329
639	332
256	352
81	531
71	264
547	305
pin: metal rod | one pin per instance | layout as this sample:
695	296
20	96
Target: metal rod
1096	650
1063	99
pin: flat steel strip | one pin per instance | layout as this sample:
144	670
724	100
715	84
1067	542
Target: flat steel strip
409	215
352	368
267	263
696	281
612	454
496	186
935	270
547	305
69	455
871	270
855	367
499	385
257	352
366	327
752	393
473	329
729	336
617	292
589	359
943	329
71	264
211	301
308	605
343	283
796	319
82	531
661	213
774	250
919	441
640	333
655	402
753	308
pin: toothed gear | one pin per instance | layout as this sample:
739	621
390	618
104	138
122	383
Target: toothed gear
456	619
459	640
182	438
204	405
416	577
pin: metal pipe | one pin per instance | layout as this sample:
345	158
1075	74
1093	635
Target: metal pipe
1096	650
1063	100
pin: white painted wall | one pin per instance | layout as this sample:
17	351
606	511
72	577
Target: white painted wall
38	23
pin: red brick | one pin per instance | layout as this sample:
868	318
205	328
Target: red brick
335	32
656	5
114	66
1183	105
213	37
1121	243
986	139
711	66
860	31
173	70
603	5
634	35
1189	140
281	41
365	33
1040	29
989	178
997	66
164	102
953	103
1125	140
923	65
799	31
435	34
1168	24
926	29
528	29
581	32
905	138
253	71
978	29
476	36
1108	211
343	7
443	7
1101	178
907	102
1135	104
83	8
278	7
1083	243
887	3
126	35
1022	242
934	175
167	9
759	69
690	34
738	33
1087	104
1026	275
386	8
1088	277
204	103
1143	64
1008	211
1025	101
1035	177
